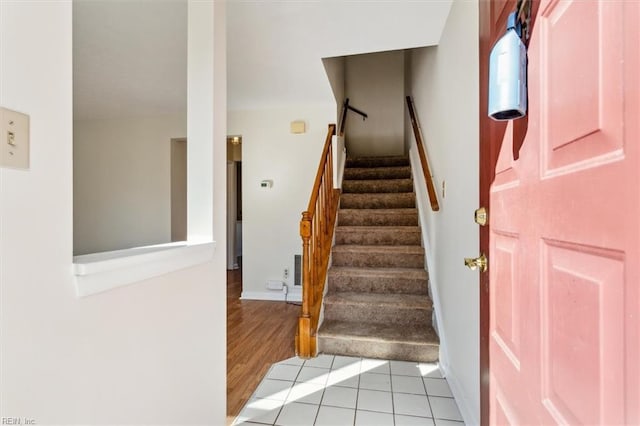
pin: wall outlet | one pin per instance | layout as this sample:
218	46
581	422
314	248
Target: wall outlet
286	273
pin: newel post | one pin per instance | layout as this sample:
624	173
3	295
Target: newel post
303	339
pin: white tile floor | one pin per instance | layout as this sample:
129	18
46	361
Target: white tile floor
339	391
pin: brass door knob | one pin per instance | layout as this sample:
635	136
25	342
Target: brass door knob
479	262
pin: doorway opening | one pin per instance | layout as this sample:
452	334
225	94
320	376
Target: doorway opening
234	202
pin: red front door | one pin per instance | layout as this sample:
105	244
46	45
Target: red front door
564	235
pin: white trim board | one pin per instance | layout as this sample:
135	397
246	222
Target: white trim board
420	187
470	416
293	296
98	272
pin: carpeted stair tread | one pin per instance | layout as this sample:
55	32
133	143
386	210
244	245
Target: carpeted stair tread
378	332
388	161
386	308
394	172
383	341
378	217
348	248
378	256
400	229
376	300
413	273
377	185
378	235
378	280
389	200
390	212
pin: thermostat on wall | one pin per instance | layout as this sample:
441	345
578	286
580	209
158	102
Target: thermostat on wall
266	184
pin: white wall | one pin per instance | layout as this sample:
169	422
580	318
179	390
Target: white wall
271	217
374	83
122	181
148	353
335	69
445	87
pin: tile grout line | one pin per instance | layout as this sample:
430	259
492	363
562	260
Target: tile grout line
426	391
288	393
393	407
355	412
324	390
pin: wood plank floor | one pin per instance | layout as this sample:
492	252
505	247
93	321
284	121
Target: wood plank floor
259	333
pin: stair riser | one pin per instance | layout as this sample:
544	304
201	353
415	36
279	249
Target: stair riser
378	173
377	314
378	237
379	260
378	162
367	284
380	350
378	201
377	186
354	218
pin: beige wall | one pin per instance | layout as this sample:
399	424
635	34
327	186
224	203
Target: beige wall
178	189
444	83
149	353
122	181
335	69
271	217
374	83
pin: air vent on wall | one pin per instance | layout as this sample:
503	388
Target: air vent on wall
297	271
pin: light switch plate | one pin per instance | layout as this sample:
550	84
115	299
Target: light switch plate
14	139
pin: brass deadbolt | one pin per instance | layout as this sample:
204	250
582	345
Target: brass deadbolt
481	216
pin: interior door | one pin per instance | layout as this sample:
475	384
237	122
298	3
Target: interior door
563	189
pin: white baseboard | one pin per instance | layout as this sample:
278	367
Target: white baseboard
293	296
469	414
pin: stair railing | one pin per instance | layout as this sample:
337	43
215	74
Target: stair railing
343	115
316	230
431	190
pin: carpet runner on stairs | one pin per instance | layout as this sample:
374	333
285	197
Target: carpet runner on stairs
377	304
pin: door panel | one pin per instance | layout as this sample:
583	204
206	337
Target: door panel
581	94
506	330
582	333
564	231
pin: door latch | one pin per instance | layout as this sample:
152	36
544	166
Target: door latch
477	263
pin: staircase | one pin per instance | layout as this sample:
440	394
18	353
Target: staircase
377	304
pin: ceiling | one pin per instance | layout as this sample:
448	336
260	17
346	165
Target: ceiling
131	59
275	48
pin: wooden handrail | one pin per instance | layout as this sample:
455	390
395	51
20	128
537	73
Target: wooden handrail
316	230
431	190
343	115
